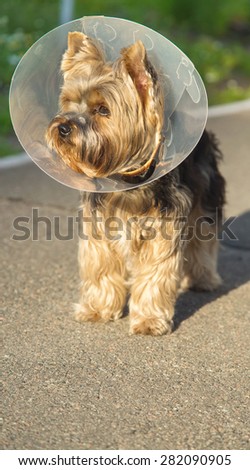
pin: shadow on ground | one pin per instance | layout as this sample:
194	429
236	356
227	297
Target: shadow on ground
234	268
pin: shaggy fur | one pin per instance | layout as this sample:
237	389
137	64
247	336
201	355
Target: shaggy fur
150	242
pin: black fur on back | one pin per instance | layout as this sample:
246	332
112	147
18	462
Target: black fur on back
200	173
196	181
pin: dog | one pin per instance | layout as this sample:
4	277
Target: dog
110	123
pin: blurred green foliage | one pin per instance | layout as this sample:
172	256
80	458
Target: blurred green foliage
213	17
215	34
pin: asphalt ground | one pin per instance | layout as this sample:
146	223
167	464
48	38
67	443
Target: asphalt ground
89	386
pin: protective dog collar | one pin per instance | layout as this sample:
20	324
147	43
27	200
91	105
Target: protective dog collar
35	90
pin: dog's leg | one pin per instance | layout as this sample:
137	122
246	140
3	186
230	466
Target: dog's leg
200	172
200	266
156	278
103	289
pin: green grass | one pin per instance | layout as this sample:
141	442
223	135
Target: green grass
214	34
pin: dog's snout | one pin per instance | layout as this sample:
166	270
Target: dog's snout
64	129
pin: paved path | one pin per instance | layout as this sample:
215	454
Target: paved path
72	386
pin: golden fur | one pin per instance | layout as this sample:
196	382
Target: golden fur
138	243
90	86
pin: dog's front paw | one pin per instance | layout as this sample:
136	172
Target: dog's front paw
150	326
85	313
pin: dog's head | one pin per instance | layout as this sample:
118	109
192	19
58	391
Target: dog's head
111	115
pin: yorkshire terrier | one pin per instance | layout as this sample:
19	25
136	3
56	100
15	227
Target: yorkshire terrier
111	122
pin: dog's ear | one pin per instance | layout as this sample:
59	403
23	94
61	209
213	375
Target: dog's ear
75	42
140	69
81	49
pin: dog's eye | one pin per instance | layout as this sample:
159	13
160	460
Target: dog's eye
102	111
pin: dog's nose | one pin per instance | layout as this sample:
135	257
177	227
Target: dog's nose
64	129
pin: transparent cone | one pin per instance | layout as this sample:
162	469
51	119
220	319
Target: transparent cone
35	90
